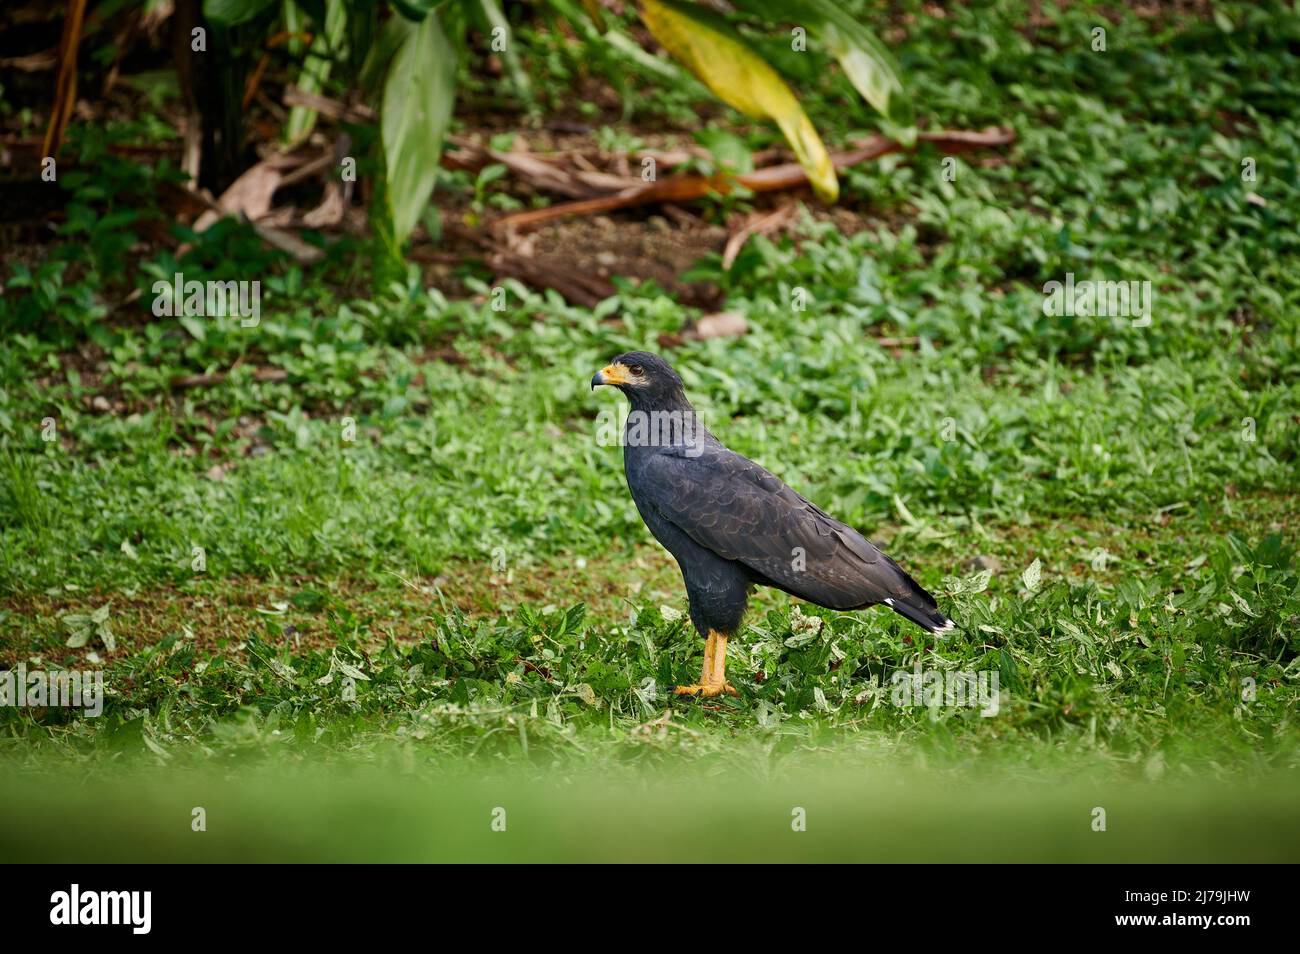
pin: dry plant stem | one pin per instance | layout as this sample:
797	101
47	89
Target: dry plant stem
790	175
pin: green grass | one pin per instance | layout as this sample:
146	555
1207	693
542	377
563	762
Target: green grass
474	554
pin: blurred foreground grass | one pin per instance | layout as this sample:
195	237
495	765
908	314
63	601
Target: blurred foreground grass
853	813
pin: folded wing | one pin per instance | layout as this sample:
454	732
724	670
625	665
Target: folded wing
742	512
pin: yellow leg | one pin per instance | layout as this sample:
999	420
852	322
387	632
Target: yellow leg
713	677
718	673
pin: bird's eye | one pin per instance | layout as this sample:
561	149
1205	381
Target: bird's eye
637	370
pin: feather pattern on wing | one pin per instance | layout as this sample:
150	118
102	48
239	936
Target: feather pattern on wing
740	511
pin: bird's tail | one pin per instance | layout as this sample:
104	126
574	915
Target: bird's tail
915	603
927	617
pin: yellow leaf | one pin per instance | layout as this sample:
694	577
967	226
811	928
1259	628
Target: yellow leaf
741	79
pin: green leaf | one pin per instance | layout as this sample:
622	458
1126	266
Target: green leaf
80	626
419	92
316	69
729	150
721	58
497	21
1033	575
295	25
84	626
489	174
1241	603
352	671
867	62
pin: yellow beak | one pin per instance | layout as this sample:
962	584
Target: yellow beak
611	374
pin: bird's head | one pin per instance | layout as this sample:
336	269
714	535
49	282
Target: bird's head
647	379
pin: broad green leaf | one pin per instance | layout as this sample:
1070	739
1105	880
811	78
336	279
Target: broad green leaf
232	12
711	50
316	69
419	92
871	70
866	61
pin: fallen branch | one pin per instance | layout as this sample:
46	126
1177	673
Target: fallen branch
329	108
685	188
568	174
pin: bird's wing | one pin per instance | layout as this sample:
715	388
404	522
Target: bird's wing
742	512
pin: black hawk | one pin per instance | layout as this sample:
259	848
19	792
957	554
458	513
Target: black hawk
732	525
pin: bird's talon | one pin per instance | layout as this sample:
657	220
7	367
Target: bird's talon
706	690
